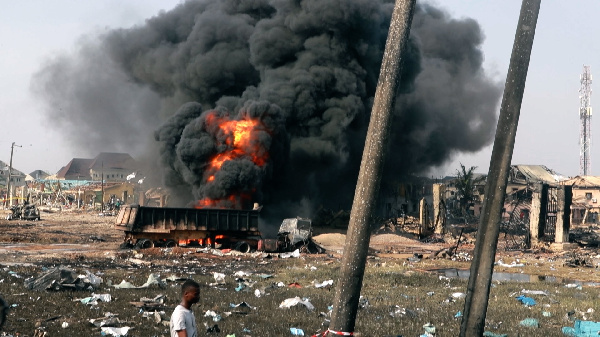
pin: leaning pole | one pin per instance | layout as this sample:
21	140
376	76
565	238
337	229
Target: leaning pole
357	241
478	288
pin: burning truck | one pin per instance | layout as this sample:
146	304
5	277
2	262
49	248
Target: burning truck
147	227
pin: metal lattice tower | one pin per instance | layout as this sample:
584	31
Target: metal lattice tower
585	117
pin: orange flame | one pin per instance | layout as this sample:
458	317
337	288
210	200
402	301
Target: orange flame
242	141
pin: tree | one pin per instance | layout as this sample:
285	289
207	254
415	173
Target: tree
465	187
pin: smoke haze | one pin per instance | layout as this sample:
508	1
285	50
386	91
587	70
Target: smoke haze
307	69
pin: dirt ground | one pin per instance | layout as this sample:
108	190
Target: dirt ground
87	235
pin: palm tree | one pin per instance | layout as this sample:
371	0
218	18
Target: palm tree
465	186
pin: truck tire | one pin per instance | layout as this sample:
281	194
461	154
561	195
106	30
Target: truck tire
144	243
242	246
170	244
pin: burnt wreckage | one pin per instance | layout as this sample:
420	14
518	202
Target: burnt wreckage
147	227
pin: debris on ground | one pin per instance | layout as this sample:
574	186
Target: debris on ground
291	302
153	279
58	278
530	323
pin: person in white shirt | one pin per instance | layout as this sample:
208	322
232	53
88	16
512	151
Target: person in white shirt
183	322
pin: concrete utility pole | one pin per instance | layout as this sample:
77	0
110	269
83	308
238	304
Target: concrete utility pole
352	270
478	288
8	187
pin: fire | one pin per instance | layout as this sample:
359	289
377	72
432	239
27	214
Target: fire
232	201
240	139
200	242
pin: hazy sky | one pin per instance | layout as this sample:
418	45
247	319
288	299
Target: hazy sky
33	31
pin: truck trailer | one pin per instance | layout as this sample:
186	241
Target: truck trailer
147	227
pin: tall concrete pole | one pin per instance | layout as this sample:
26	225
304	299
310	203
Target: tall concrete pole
357	241
478	288
8	187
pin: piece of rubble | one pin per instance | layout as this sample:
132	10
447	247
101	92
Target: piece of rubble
58	278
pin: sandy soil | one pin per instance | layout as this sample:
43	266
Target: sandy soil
73	235
78	232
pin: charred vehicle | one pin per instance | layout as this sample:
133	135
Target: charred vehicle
24	212
147	227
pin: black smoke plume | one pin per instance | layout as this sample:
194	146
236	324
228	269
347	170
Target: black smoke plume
307	68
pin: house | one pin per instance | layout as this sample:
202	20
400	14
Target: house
112	166
521	180
586	193
125	192
76	169
107	166
39	175
17	177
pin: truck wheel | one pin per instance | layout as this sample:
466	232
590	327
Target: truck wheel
170	244
144	243
242	246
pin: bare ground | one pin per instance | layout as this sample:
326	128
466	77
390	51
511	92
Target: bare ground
85	235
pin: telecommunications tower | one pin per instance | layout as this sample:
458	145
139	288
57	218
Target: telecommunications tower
585	118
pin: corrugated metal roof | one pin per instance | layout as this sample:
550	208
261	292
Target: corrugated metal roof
584	181
539	173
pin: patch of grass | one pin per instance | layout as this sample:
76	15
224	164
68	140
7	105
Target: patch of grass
400	298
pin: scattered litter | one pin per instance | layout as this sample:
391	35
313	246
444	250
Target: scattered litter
429	330
153	279
240	287
491	334
582	329
217	252
295	253
324	284
296	332
265	276
93	300
511	265
459	295
258	292
14	274
402	312
363	302
574	285
530	323
115	331
241	274
415	258
160	299
105	322
290	302
174	278
241	305
64	325
294	285
535	292
458	315
215	317
546	314
527	301
91	278
214	328
157	316
219	279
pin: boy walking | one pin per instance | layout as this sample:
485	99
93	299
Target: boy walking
183	322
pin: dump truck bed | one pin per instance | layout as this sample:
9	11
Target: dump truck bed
142	219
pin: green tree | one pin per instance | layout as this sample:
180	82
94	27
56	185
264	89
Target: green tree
465	187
